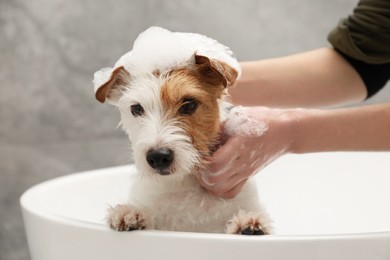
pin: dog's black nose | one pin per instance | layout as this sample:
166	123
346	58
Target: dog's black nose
159	159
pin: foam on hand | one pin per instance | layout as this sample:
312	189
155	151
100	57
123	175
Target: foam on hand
239	122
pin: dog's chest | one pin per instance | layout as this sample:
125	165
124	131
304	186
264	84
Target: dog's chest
174	196
183	206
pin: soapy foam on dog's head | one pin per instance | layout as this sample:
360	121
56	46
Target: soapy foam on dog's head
239	122
162	50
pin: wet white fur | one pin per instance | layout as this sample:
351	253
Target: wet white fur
153	130
180	204
175	202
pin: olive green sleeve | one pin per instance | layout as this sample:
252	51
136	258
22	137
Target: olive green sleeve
365	35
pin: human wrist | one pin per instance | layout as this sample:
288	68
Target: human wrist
293	120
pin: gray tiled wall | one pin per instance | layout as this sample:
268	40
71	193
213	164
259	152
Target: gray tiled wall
50	124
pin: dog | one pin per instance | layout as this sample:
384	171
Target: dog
170	90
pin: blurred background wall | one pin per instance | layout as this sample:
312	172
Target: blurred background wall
50	123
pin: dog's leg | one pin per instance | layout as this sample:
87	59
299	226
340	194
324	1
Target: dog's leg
246	223
124	217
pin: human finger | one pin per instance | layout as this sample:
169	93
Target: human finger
239	175
229	194
224	155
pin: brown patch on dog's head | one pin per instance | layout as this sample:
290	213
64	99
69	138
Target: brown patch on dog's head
113	88
190	95
215	71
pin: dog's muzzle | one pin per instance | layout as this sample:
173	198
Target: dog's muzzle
160	159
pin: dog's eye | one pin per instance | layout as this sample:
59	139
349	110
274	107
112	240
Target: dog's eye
189	106
137	110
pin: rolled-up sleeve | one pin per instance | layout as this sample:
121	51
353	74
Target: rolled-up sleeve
365	35
363	39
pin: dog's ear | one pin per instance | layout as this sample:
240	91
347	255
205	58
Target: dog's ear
215	71
110	87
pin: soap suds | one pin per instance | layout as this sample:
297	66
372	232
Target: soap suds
239	122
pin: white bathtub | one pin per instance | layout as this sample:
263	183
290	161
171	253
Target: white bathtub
325	206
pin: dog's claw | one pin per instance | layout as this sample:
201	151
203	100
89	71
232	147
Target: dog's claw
127	218
250	231
135	228
246	223
259	232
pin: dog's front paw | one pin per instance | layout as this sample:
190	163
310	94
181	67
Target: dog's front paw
247	223
124	217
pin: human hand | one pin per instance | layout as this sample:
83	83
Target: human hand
255	137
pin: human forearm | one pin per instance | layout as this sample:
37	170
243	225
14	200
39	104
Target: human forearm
350	129
291	131
312	79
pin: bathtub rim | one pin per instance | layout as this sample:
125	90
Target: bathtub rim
26	203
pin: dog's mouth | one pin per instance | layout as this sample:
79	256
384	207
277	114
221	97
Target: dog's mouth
164	172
